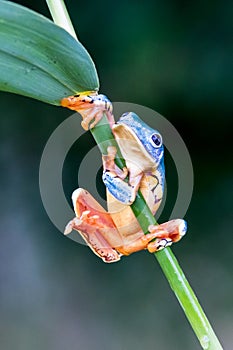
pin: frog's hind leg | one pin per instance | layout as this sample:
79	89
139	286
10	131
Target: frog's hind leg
166	234
95	225
91	106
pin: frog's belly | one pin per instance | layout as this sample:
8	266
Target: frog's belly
123	215
124	219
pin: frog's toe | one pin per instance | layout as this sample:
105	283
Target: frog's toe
68	228
89	218
72	225
173	229
159	244
108	255
183	228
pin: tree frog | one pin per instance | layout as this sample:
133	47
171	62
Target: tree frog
116	232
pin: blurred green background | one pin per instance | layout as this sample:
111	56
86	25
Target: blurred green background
171	56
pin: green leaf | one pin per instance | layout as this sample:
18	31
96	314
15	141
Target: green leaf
40	59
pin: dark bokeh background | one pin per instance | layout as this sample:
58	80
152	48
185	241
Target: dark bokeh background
174	57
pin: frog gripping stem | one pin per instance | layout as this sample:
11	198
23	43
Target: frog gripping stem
166	234
113	178
91	106
166	258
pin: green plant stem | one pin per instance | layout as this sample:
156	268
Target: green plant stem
169	264
60	15
175	276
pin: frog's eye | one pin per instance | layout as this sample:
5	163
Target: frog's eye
156	140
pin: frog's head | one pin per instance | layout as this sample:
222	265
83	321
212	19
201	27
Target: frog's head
138	141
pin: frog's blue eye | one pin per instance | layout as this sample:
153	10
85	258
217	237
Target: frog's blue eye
156	140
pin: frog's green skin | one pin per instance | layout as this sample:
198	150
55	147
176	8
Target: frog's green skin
116	232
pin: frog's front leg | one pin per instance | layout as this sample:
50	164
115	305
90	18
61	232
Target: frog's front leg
91	106
113	178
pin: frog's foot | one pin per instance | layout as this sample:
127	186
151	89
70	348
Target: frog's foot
113	178
166	234
160	237
90	228
137	245
78	223
91	106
